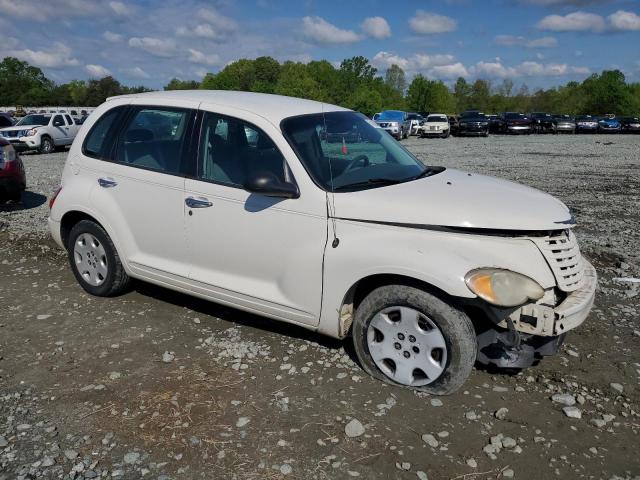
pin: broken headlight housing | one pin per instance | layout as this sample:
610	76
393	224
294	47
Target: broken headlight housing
503	288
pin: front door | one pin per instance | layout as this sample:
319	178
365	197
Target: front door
59	130
263	254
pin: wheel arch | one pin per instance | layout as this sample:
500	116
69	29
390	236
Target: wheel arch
364	286
71	218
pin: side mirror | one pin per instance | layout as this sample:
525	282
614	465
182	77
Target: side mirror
267	184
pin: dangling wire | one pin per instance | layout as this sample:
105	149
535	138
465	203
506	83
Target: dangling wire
331	205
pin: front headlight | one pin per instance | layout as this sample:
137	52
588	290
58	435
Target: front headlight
503	288
30	133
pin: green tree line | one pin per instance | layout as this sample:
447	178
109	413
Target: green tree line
354	84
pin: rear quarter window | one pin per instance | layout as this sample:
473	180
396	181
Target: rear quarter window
100	139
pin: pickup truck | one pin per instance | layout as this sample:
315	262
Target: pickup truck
42	132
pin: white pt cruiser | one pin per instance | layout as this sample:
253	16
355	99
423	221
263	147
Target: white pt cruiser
239	198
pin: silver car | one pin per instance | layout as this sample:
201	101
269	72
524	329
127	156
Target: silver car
565	123
396	123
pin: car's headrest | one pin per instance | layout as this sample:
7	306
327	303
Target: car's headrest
139	135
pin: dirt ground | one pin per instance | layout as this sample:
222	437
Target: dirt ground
155	384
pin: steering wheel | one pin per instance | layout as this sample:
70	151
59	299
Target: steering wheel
356	160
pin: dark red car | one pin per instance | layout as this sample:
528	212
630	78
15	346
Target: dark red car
12	177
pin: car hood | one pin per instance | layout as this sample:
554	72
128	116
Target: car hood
456	199
436	124
610	123
18	128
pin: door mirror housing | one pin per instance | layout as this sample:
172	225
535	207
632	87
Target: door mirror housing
267	184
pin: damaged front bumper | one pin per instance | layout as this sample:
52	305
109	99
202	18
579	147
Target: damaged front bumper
547	321
517	338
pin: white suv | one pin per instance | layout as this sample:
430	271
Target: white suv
42	132
242	199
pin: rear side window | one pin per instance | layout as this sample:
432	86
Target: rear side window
69	121
100	139
155	138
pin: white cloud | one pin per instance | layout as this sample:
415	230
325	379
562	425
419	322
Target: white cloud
563	3
155	46
514	41
112	37
622	20
426	23
447	72
97	71
119	8
573	22
376	27
40	11
196	56
137	72
496	69
58	55
417	62
323	32
441	66
217	26
221	22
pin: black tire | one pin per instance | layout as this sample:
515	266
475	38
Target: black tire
46	145
455	326
116	281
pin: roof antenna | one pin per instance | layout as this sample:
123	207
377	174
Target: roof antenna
331	205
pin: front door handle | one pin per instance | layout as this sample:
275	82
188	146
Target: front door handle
200	202
107	182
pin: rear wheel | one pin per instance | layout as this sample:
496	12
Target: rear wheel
408	337
95	261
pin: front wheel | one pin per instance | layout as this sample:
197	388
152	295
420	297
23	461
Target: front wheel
95	261
46	145
408	337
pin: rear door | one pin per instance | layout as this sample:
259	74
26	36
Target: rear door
141	191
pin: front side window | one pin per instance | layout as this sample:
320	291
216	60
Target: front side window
58	121
344	151
154	138
232	150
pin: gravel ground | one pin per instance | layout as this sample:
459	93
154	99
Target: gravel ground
156	384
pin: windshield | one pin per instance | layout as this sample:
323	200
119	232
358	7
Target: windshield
587	118
514	116
35	120
344	151
391	115
436	118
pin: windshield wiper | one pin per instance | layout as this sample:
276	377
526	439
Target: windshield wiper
427	172
369	182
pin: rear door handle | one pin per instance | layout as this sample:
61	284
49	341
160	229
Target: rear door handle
107	182
200	202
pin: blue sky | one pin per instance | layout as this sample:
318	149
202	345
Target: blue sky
538	42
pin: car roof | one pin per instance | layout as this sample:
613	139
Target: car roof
275	108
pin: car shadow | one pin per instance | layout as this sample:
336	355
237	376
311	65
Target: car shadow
28	201
235	316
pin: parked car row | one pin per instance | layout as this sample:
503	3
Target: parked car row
476	123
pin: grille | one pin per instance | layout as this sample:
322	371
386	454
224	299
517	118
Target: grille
561	251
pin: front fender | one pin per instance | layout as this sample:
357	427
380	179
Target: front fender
441	259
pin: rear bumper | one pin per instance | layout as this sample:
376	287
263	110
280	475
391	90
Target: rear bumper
54	229
12	182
